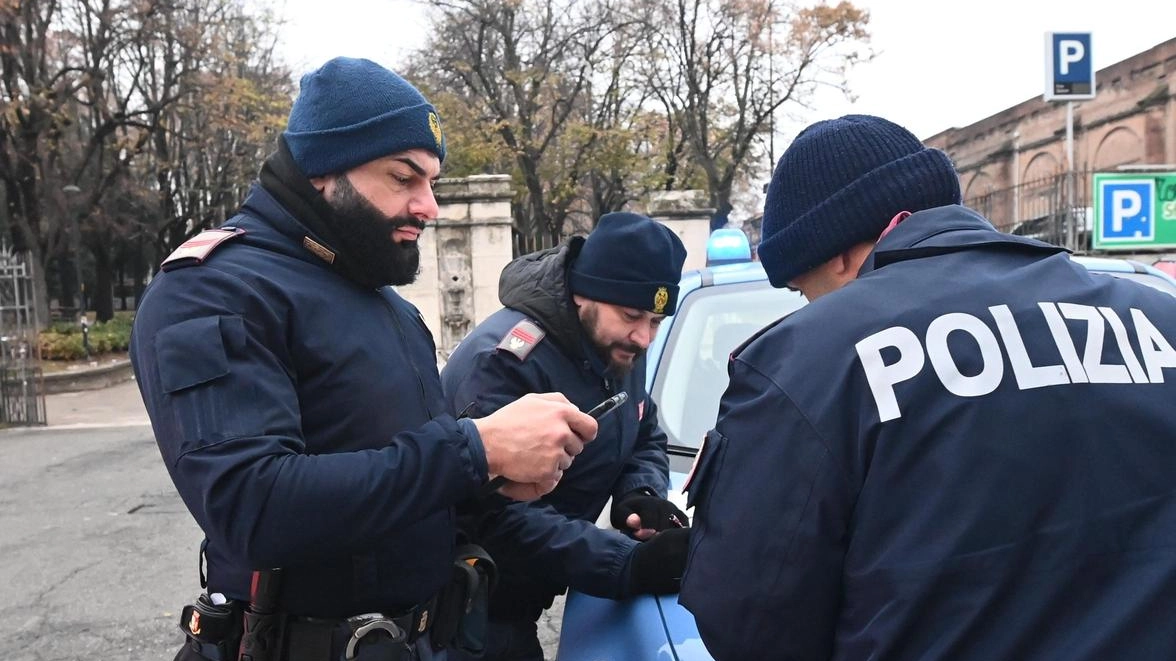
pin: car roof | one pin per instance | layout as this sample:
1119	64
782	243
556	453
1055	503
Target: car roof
725	274
753	271
1118	265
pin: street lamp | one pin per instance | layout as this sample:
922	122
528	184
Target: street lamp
75	241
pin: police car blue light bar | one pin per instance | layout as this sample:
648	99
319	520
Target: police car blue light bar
727	245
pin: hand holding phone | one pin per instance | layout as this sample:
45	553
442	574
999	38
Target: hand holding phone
598	412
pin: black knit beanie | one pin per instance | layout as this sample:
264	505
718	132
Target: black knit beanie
839	184
632	261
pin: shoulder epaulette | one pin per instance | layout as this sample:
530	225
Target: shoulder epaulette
196	249
522	339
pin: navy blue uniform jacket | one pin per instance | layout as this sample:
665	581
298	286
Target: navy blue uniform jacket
969	452
546	545
302	421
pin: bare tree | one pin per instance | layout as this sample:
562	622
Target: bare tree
722	69
207	150
35	88
531	69
75	99
593	104
95	93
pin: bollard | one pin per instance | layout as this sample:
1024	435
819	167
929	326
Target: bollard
85	323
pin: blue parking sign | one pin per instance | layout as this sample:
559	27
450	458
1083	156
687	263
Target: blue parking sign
1127	210
1069	66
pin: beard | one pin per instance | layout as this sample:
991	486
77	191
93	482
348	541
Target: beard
367	237
604	348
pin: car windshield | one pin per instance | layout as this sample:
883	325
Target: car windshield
710	323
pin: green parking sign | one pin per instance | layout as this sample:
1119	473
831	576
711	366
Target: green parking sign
1134	210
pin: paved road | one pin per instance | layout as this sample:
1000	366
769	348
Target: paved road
116	406
98	553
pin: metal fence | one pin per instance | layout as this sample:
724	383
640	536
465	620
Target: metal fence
1055	209
22	384
528	243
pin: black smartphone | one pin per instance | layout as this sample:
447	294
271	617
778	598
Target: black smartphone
609	405
599	411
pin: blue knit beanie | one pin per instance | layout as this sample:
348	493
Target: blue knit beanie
351	111
839	184
632	261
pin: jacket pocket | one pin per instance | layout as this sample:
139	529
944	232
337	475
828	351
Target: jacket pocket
192	352
706	467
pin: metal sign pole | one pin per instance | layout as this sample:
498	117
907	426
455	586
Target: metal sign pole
1069	76
1071	220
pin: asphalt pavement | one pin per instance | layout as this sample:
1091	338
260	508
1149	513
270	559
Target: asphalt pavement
96	549
97	553
114	406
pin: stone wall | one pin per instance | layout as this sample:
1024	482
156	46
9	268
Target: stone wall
464	252
686	212
462	255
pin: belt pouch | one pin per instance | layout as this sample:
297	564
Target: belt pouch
463	609
213	624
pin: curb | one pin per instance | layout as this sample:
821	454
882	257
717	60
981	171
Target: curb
92	378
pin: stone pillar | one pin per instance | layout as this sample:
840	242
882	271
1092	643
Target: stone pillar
686	212
462	255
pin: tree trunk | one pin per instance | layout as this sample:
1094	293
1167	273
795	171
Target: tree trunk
139	270
40	288
102	297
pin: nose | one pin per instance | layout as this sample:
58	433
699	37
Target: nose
424	204
643	334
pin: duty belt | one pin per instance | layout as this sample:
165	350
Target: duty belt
374	636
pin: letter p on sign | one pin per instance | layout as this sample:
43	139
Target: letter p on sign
1124	204
1070	51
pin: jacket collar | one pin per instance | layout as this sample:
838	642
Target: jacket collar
536	285
269	224
945	230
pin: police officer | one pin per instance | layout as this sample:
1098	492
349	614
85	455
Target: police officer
960	449
577	320
295	396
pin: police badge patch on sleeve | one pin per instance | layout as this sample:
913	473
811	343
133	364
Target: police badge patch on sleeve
522	339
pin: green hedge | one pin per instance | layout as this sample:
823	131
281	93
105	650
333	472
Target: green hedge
63	341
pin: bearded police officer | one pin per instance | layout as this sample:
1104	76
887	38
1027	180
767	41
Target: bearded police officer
296	401
578	319
961	449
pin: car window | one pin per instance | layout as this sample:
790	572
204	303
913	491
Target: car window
692	374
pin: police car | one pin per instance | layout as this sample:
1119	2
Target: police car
718	308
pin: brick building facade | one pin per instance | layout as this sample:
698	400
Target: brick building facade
1013	164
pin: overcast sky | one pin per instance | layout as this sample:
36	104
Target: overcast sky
939	64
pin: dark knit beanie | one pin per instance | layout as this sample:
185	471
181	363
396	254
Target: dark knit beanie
351	111
839	184
632	261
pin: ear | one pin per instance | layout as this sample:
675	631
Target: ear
847	265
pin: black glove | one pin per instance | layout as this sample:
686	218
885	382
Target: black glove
657	565
656	513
